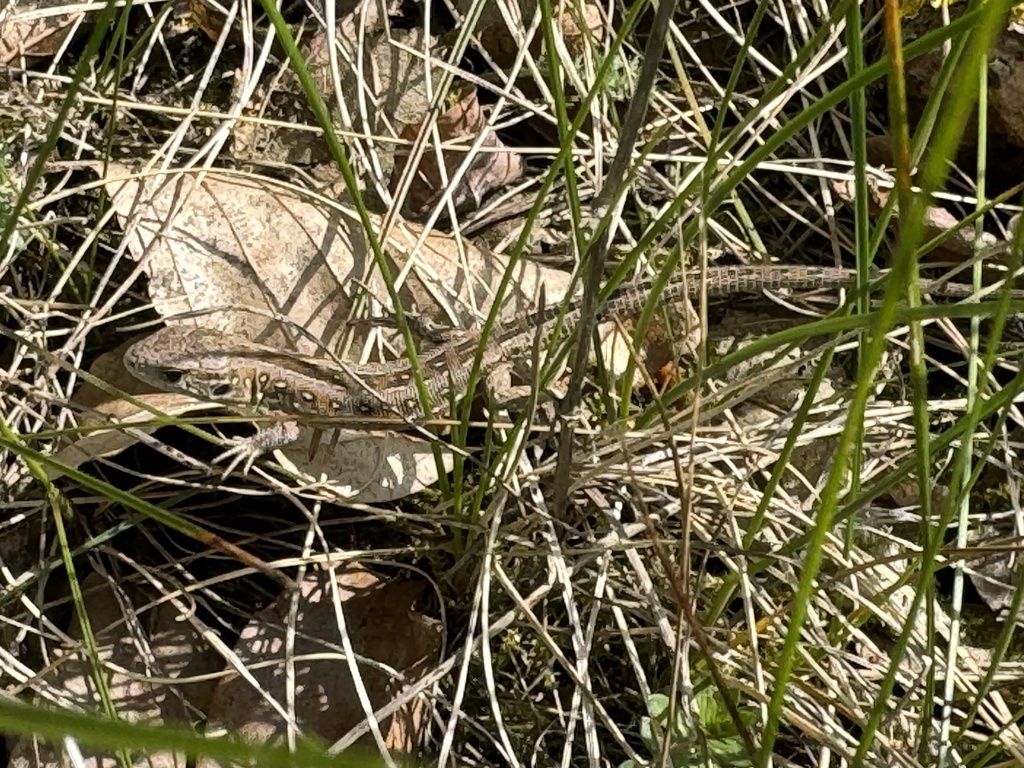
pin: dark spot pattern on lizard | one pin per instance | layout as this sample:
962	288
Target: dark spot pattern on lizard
207	364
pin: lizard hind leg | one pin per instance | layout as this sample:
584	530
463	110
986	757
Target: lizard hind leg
499	383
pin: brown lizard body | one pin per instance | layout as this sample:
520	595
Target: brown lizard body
257	378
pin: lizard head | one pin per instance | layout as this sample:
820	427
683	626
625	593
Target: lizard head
199	362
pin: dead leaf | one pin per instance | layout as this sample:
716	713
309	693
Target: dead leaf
957	248
382	80
490	170
169	648
102	443
580	26
239	249
661	346
208	17
109	367
367	466
384	628
235	251
36	30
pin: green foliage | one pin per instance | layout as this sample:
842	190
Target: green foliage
710	739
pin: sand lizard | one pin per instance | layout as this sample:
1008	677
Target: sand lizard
260	379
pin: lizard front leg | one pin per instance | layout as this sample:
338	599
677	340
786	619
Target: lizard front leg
250	448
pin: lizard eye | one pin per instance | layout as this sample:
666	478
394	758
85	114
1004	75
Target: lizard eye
222	390
172	376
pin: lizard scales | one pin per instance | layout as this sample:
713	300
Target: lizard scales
258	378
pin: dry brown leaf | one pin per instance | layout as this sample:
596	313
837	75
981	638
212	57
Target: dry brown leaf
994	576
102	443
370	467
383	627
576	21
382	84
660	347
109	367
172	650
959	247
208	17
34	31
490	170
238	242
1005	118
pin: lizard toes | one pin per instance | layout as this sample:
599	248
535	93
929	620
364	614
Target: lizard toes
250	448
